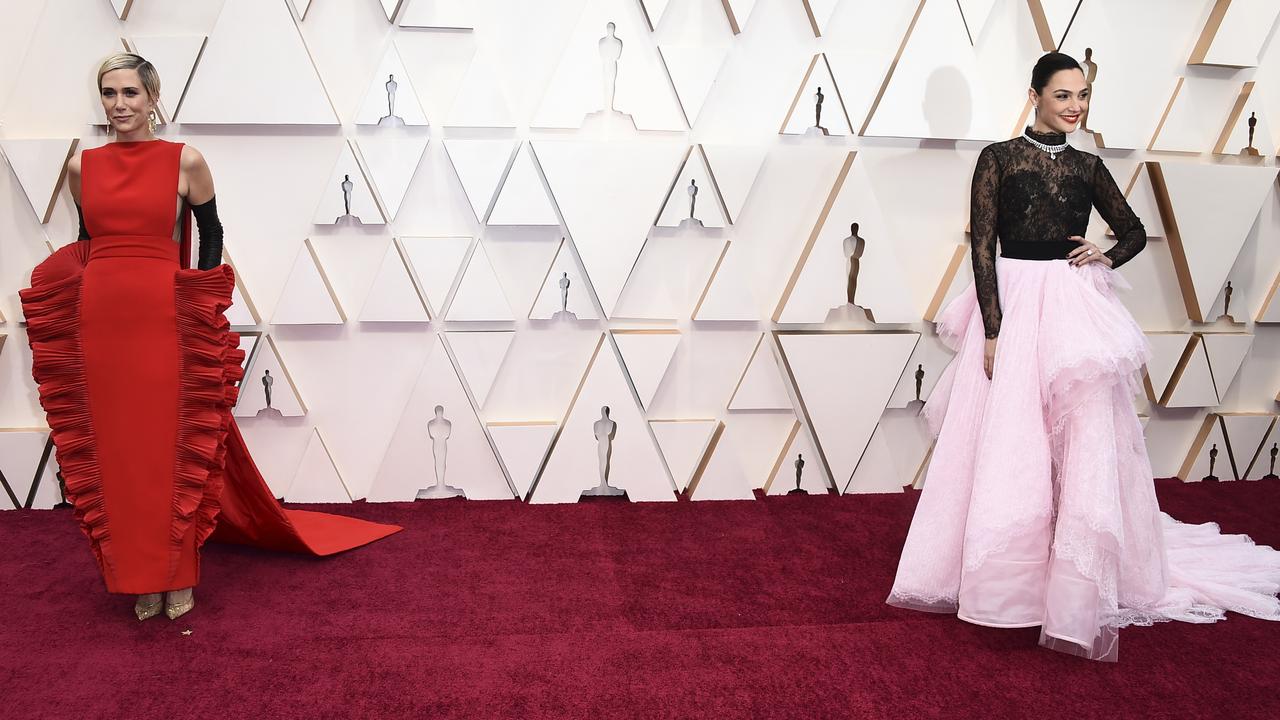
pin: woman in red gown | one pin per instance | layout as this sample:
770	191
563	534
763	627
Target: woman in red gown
137	367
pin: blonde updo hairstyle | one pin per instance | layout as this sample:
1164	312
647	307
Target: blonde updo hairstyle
129	61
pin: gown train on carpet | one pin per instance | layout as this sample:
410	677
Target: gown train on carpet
137	371
1039	505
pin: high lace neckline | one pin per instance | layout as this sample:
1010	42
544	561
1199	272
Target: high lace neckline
1053	138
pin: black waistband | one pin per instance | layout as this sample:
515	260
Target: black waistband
1040	250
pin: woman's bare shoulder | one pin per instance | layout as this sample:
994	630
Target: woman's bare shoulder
192	159
73	163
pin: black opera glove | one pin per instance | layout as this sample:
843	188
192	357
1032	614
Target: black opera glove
84	232
210	229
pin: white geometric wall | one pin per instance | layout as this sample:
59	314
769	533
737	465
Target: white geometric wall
723	347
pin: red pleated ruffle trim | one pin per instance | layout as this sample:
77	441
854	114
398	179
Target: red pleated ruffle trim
211	358
210	368
51	307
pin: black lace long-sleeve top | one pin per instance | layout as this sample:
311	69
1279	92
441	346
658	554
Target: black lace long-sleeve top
1033	203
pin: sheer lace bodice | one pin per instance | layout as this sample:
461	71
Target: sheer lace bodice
1033	203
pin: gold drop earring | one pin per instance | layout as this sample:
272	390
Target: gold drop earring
151	121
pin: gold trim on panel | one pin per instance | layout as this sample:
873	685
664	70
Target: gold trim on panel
1197	445
1165	115
888	76
443	340
408	268
918	481
48	210
626	369
1045	33
1174	237
251	355
244	291
715	184
337	119
542	285
1022	123
1262	311
813	20
1257	453
1041	21
799	396
564	419
1146	384
57	185
324	277
804	408
645	331
711	279
1210	31
394	11
367	175
804	82
652	22
333	463
1192	343
743	374
1232	118
684	163
1212	375
813	234
782	454
704	461
734	25
187	86
948	277
1213	380
493	446
1152	396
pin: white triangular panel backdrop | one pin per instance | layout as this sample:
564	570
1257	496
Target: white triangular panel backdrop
251	35
635	464
409	462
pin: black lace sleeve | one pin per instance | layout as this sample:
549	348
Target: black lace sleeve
984	203
1131	236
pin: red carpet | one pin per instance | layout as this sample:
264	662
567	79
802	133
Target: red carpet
493	609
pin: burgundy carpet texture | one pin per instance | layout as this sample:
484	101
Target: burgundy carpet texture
766	609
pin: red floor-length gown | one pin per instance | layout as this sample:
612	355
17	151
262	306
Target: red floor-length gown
137	372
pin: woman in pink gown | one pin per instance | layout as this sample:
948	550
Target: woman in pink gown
1039	507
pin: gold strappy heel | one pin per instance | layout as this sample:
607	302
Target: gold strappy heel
145	609
175	610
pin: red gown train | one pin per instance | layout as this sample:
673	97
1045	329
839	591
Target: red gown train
137	370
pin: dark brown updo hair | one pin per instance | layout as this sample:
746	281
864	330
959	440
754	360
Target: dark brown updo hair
1048	65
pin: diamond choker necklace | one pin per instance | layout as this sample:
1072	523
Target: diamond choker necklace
1053	150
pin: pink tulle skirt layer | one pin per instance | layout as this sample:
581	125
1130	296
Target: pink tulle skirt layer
1039	507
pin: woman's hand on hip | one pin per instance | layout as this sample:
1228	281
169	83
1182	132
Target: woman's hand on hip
1086	253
